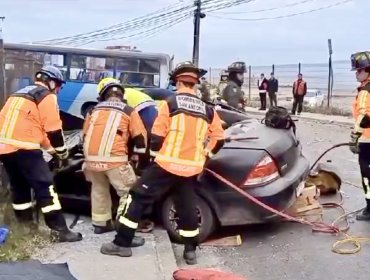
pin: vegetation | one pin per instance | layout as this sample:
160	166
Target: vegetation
23	239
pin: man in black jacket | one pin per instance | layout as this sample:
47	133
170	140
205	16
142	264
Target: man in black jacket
273	87
262	89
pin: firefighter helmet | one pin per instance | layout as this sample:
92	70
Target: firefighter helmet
108	83
187	69
238	67
52	73
360	60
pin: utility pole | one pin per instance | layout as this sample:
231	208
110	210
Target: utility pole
2	65
330	78
3	177
198	15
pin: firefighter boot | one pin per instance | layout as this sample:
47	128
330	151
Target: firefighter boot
26	220
137	241
59	230
364	215
115	250
189	255
103	229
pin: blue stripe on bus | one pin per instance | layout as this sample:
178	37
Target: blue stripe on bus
68	94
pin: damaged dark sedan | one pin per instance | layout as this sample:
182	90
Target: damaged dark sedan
263	161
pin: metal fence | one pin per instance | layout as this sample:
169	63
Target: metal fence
316	76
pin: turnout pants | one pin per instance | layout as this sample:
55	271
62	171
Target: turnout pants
150	187
364	161
298	100
121	178
263	100
28	170
273	99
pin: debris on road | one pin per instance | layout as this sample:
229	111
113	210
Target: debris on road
3	235
228	241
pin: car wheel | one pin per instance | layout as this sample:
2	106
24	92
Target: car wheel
169	219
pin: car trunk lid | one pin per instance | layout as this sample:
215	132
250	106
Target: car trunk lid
281	144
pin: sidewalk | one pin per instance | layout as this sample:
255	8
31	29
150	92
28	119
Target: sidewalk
310	116
154	261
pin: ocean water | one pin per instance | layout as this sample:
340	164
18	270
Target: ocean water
316	75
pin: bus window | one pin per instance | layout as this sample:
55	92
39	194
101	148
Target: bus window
149	66
90	69
138	72
21	66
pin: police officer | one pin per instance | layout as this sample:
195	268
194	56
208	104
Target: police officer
224	77
232	93
179	134
360	136
28	121
107	130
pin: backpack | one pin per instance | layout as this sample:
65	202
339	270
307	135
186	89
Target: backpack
204	274
279	117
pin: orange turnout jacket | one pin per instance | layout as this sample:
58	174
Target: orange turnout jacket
184	133
107	130
27	118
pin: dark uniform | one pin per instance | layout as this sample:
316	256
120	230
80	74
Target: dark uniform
185	132
232	93
360	136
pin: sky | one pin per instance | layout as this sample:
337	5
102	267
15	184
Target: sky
280	41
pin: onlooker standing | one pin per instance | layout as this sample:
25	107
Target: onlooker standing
273	87
262	88
299	91
204	89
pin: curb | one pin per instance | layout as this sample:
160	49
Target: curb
165	254
333	120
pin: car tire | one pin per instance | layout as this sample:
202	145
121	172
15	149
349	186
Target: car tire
207	219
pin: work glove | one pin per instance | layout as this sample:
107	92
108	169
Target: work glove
353	143
57	164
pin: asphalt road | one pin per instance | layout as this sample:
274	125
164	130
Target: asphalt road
291	251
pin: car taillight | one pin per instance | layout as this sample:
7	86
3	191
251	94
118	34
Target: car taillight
264	172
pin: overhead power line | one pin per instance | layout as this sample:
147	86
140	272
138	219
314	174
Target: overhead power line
152	23
134	23
211	6
285	16
271	9
132	32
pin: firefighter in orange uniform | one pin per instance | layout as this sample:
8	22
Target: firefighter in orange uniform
107	130
184	134
28	121
360	136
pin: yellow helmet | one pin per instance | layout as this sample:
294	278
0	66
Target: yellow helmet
108	83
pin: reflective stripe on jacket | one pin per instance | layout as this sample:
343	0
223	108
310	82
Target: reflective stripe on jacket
360	108
107	130
185	130
26	117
